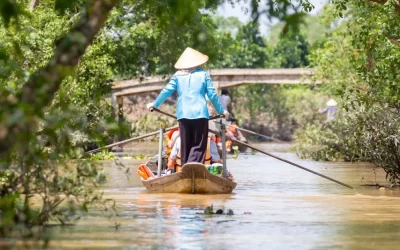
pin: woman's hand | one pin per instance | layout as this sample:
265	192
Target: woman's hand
150	106
226	114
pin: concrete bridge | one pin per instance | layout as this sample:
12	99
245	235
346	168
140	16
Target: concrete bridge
222	78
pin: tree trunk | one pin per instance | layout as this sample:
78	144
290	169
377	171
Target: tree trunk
33	4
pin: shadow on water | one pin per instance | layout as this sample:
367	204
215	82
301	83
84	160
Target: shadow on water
276	206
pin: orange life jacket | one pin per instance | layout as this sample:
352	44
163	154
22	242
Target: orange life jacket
171	132
228	144
213	138
168	139
218	139
232	129
207	160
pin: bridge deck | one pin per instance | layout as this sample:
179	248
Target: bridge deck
222	78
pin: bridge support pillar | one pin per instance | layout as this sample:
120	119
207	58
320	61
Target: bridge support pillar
117	107
117	110
120	109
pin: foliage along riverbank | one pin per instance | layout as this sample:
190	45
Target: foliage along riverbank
360	64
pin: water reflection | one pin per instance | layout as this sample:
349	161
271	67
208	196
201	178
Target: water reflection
276	206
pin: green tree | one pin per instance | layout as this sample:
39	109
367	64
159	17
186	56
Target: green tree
263	104
245	49
38	114
153	44
360	64
230	24
54	69
291	51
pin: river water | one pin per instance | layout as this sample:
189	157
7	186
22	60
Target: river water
275	205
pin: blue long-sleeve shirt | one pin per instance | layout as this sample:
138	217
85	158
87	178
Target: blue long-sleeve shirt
192	88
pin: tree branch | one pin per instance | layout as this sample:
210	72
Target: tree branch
379	1
396	7
33	4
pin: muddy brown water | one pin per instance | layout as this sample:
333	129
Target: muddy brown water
276	206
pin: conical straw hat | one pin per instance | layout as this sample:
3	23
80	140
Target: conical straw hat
331	102
190	58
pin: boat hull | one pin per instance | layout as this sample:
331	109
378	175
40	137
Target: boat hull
193	179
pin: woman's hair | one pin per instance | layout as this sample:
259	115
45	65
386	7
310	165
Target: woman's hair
194	68
224	91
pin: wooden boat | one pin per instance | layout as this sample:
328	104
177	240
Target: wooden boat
193	179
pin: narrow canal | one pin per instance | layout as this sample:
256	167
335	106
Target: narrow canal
276	206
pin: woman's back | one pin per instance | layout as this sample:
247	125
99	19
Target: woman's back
192	86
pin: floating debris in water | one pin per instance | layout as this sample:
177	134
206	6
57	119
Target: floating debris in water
210	211
219	211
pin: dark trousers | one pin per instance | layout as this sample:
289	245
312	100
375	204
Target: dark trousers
193	133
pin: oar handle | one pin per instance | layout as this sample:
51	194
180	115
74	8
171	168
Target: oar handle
216	117
162	112
172	116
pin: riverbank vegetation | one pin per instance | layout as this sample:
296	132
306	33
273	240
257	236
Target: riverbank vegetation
360	64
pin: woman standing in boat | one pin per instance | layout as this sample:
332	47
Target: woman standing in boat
192	84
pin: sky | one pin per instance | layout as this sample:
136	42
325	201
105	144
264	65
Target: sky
226	10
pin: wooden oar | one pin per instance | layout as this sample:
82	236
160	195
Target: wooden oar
294	164
129	140
273	156
172	116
